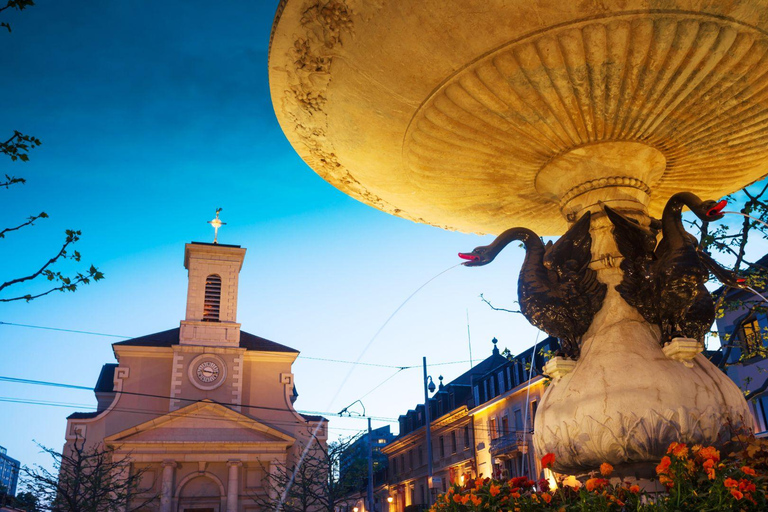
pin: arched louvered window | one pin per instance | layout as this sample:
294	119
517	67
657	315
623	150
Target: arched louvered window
212	298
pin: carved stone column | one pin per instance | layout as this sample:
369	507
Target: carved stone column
232	484
166	489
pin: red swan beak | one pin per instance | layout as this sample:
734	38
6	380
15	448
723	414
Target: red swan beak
468	256
717	209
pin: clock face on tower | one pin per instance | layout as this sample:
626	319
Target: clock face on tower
207	371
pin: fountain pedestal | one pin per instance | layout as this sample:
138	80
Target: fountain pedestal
625	400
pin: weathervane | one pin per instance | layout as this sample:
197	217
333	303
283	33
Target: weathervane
216	223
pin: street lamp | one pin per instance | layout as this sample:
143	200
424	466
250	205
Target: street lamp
429	387
390	499
370	451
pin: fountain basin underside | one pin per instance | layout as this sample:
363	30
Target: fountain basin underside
446	112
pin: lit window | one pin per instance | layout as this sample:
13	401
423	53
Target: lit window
750	332
212	301
492	429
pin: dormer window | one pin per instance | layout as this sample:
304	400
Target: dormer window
212	302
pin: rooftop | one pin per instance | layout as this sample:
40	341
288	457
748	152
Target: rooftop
170	337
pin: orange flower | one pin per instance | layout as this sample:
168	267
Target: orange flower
546	497
515	495
709	453
663	466
634	489
736	494
547	460
748	471
475	500
465	499
678	450
478	483
534	498
596	483
606	469
730	482
457	498
746	486
495	490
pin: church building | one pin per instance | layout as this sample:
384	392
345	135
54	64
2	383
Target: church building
206	407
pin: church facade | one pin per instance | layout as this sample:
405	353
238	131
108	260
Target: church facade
205	409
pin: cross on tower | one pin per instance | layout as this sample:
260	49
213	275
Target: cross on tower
216	223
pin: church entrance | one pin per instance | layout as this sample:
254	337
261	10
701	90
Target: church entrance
200	494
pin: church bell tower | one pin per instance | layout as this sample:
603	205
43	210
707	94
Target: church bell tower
211	318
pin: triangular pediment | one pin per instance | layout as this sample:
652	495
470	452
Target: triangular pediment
202	422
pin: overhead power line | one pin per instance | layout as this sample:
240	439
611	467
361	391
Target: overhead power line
17	380
66	405
323	359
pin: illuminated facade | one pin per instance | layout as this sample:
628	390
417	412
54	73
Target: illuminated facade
206	408
477	430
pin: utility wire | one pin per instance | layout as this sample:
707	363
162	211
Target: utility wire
65	330
17	380
66	405
327	360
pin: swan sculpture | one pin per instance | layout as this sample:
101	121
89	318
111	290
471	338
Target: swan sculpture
665	281
557	291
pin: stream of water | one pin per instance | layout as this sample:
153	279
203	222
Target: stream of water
349	373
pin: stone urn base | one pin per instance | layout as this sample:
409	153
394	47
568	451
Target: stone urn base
625	401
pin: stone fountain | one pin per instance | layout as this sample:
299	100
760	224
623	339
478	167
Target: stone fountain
482	115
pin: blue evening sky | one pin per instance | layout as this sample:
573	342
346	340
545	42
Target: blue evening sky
152	115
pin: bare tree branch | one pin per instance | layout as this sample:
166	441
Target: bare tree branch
88	480
498	309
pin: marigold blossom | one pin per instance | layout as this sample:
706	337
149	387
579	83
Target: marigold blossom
547	460
709	453
634	489
678	450
748	471
596	483
495	490
737	494
663	466
606	469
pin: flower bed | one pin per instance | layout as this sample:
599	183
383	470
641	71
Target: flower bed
696	479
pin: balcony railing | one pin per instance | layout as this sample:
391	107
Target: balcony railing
510	443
